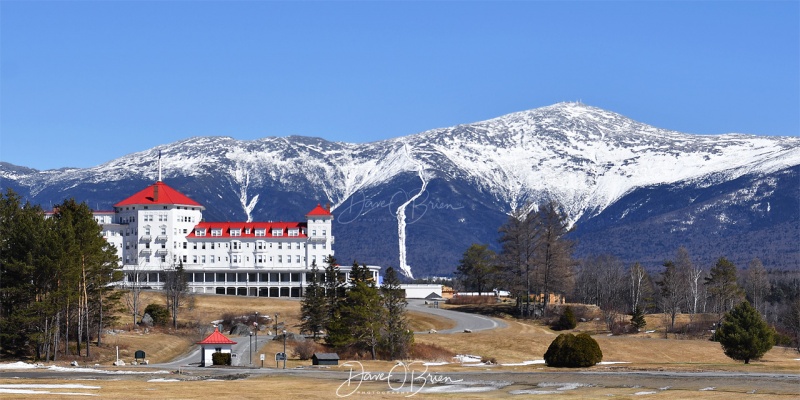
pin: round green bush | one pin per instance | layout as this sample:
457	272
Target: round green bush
568	350
158	313
566	321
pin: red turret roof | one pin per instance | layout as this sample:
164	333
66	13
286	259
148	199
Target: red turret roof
216	338
319	211
158	193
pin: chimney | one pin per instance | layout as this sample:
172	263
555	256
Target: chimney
155	192
328	206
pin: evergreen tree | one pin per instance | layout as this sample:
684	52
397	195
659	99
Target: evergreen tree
360	315
477	269
313	307
566	321
722	286
396	335
637	319
671	296
744	335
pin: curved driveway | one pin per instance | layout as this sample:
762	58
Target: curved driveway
463	320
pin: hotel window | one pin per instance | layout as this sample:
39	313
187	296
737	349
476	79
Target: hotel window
236	232
297	259
277	232
280	259
216	232
280	246
324	232
261	232
200	232
293	232
203	259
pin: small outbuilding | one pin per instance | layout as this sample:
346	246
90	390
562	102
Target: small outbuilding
214	343
325	359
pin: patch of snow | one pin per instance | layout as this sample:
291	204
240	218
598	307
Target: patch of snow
613	362
708	388
466	358
163	380
643	393
19	365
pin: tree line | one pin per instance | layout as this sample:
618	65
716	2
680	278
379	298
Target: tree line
55	273
357	316
536	259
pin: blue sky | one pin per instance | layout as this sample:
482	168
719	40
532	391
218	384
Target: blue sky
84	82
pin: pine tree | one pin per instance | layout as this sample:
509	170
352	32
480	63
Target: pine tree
477	268
396	335
637	319
313	307
722	286
671	298
744	335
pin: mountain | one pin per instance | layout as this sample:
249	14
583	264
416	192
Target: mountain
634	190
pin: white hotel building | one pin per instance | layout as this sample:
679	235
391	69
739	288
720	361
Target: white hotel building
161	228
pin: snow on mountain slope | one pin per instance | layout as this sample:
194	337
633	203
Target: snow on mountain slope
587	158
582	156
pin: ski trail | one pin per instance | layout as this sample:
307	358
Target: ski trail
401	215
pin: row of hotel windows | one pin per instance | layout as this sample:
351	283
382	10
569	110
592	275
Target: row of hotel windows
161	218
258	232
232	277
234	259
235	245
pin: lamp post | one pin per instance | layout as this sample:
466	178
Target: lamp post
284	349
276	323
251	348
255	325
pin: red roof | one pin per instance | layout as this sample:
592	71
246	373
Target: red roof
158	193
320	211
216	338
243	228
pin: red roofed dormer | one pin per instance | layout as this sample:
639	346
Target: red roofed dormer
158	193
216	338
320	211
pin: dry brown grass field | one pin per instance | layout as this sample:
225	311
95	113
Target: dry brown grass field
518	342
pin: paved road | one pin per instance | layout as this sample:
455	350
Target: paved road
463	320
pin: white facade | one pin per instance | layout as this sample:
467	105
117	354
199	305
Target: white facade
160	229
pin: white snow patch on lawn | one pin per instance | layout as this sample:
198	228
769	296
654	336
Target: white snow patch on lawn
613	362
19	365
436	363
163	380
709	388
467	358
26	388
643	393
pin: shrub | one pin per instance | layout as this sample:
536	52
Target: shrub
304	349
566	321
431	352
221	358
571	351
158	313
